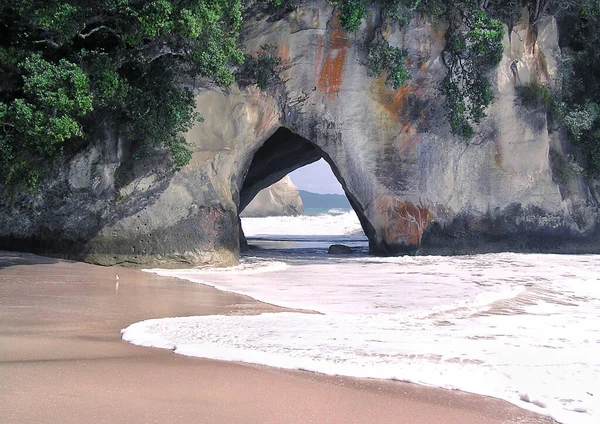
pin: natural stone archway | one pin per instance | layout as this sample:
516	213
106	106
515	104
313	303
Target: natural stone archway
282	153
414	186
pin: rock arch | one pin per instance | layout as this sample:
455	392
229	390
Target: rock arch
282	153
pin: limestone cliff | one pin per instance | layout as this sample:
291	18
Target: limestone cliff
279	199
414	186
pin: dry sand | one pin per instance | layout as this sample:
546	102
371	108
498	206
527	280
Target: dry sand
62	361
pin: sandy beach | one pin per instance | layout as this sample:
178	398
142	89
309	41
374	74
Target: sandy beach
62	360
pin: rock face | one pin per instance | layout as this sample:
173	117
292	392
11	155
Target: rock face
414	187
279	199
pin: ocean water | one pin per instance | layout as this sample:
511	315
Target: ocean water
321	211
520	327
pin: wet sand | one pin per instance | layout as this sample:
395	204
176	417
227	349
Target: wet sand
62	361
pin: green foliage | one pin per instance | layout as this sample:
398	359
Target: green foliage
56	17
399	10
578	94
564	168
53	99
158	112
534	95
278	8
473	49
507	11
262	69
580	119
109	87
434	8
352	13
65	65
383	57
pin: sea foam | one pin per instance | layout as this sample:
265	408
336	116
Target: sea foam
334	223
524	328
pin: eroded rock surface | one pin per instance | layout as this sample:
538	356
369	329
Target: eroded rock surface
414	186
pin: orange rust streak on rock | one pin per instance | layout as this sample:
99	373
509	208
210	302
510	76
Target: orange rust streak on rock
331	74
403	222
338	38
412	222
396	105
332	71
393	102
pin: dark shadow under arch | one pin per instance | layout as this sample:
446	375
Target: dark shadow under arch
282	153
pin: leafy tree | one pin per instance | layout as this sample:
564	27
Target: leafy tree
67	65
507	11
399	10
564	168
578	97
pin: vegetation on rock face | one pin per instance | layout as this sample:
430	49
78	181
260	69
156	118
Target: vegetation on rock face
534	95
578	98
67	65
352	13
474	48
262	69
564	168
392	60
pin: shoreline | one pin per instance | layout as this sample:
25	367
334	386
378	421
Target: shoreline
62	360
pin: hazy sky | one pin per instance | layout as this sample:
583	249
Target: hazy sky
316	178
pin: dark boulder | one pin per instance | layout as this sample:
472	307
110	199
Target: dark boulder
339	249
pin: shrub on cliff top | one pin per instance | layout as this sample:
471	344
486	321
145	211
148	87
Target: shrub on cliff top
473	49
579	82
352	13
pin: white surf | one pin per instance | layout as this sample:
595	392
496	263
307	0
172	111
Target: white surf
524	328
